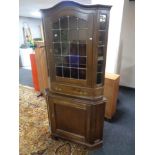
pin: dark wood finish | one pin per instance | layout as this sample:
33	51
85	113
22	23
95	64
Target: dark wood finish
76	120
75	44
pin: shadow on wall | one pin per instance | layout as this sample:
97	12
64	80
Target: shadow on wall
119	61
125	70
127	78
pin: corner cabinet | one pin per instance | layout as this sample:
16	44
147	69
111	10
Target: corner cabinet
76	43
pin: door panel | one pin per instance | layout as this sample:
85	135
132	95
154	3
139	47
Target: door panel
70	52
70	118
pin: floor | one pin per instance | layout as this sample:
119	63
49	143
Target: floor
119	133
25	77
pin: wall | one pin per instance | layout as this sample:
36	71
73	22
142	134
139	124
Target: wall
126	59
114	32
121	41
120	50
34	25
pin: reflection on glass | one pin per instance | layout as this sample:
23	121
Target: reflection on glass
102	22
64	22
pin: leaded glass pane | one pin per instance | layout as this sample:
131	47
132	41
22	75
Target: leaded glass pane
102	22
74	61
57	48
58	61
73	22
100	51
82	23
64	35
82	49
56	35
56	25
73	48
101	47
69	46
73	35
102	37
99	78
82	60
65	48
82	74
83	35
74	73
64	22
66	72
58	71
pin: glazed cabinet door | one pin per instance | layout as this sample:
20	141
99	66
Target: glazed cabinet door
68	34
100	46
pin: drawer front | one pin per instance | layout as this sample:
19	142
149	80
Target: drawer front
70	90
82	92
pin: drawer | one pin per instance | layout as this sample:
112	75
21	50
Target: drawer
71	90
82	92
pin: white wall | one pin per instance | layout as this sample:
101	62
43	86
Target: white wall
34	25
121	41
126	61
114	32
120	50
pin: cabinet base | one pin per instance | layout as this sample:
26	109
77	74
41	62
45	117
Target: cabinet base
88	145
77	120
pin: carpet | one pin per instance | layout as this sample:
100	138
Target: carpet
34	135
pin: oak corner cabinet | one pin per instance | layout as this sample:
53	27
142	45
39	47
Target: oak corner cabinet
76	44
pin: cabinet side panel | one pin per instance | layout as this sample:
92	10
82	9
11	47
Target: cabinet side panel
100	109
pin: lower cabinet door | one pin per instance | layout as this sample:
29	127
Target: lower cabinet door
75	119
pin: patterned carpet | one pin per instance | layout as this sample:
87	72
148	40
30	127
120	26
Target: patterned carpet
33	129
